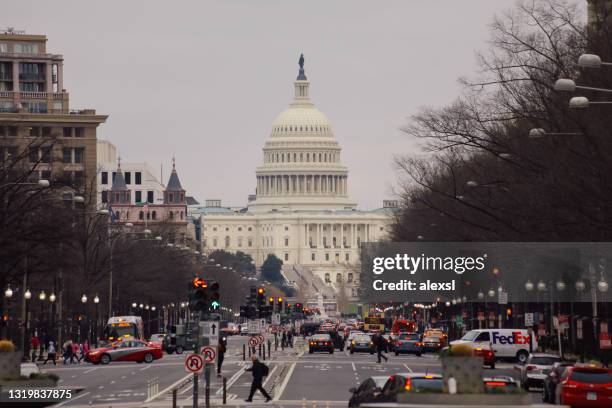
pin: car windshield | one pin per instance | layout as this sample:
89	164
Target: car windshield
592	377
321	337
471	335
426	385
409	336
545	361
431	339
361	337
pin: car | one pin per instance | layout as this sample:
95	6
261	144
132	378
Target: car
500	384
408	343
337	339
156	340
439	333
367	391
585	386
362	342
244	330
431	343
552	380
534	371
505	343
487	354
409	383
320	342
230	330
127	350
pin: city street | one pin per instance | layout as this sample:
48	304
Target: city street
295	376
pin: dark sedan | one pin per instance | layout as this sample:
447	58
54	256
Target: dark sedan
367	391
320	342
408	343
363	343
410	383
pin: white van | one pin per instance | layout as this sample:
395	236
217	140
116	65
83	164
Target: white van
505	343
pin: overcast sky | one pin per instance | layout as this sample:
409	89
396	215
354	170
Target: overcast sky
203	80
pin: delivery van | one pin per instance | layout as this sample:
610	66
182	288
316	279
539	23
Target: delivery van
505	343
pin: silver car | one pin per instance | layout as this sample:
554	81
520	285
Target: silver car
536	368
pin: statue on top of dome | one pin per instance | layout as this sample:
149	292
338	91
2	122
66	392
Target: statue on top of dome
301	75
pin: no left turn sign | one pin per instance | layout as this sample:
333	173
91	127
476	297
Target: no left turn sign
194	363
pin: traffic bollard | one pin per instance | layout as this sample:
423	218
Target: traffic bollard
264	351
224	390
259	351
275	343
243	352
269	348
174	392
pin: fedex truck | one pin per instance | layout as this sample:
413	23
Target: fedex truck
505	343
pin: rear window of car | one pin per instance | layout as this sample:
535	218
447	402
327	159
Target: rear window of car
362	338
544	360
431	339
321	337
426	385
409	336
591	377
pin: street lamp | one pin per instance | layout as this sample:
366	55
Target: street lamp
147	231
602	285
541	286
8	293
128	225
27	294
529	286
52	297
569	85
84	298
134	305
96	299
480	295
491	293
141	306
42	295
591	61
580	285
560	286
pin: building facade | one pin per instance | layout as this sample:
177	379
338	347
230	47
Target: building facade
301	211
35	115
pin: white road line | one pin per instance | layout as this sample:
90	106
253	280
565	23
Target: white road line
61	404
144	368
90	370
281	389
270	374
354	368
168	388
231	381
407	368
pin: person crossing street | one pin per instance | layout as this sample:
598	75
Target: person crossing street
259	370
380	343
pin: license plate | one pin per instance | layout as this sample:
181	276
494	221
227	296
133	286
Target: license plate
591	396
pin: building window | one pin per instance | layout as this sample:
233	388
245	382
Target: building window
215	242
67	131
67	155
349	277
138	177
250	242
338	278
171	215
239	228
286	228
128	177
286	256
240	242
313	256
105	196
45	156
250	228
327	278
149	196
33	155
181	215
327	257
138	196
286	242
227	241
104	177
214	228
154	215
141	215
45	175
346	257
79	132
78	154
79	179
25	48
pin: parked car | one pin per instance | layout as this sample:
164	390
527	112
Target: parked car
362	342
408	343
535	370
585	386
552	380
409	383
367	391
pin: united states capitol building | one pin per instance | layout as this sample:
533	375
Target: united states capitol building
301	211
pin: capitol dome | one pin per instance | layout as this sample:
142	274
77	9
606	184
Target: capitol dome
301	169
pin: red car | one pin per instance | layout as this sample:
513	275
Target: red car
127	350
487	354
586	387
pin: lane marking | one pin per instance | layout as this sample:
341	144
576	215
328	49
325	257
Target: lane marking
90	370
270	376
408	368
354	368
231	381
144	368
282	387
61	404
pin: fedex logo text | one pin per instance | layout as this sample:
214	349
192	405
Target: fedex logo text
514	338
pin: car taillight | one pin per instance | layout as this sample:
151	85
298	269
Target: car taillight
399	343
312	343
531	367
419	344
570	384
408	384
328	344
496	383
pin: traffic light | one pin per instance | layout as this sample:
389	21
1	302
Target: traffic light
198	296
215	296
280	304
271	303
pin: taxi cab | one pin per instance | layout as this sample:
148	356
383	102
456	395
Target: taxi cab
126	350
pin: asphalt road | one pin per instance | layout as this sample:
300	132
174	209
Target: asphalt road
295	376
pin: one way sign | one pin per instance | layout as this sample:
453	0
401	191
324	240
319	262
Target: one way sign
210	330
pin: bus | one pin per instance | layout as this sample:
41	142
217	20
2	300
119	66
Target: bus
124	327
403	326
374	321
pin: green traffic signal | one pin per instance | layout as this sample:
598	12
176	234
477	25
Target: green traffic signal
215	304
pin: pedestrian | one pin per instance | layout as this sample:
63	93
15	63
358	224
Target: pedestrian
35	344
290	338
67	351
50	353
221	349
259	370
75	353
85	349
284	339
379	343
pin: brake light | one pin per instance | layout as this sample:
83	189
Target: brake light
399	343
531	367
312	343
496	383
353	342
408	384
419	344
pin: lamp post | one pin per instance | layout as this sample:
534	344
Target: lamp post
96	317
8	294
